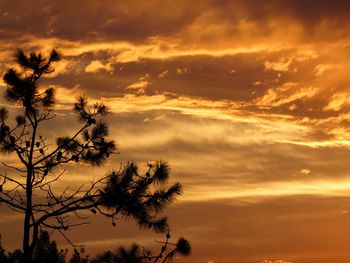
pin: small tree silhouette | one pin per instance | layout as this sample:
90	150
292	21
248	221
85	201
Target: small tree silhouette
28	186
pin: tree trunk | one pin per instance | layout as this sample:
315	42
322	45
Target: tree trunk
28	246
28	253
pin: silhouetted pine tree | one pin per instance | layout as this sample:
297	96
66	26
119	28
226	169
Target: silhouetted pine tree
28	190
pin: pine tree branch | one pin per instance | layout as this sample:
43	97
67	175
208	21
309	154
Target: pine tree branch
60	146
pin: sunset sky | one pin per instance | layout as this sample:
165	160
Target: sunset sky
248	101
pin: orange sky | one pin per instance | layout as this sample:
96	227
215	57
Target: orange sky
247	100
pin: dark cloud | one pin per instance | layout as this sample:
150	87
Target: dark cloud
139	20
81	20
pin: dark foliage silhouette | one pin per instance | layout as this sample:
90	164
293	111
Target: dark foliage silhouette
47	251
137	254
79	256
28	187
3	257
